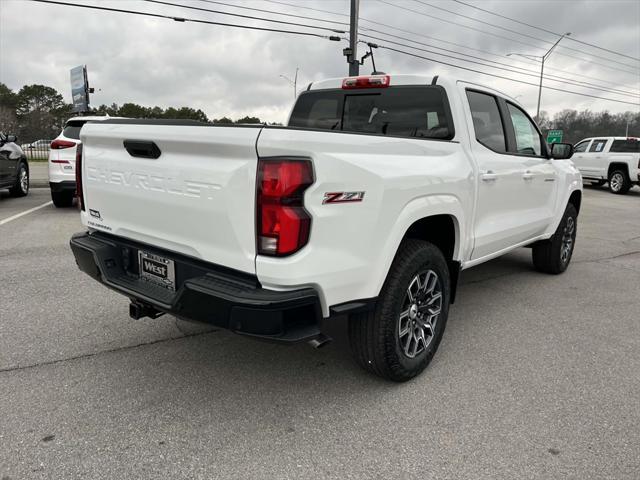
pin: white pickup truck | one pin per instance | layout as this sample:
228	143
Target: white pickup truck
609	159
368	203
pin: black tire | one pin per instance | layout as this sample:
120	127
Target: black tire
21	187
62	199
375	336
550	256
619	182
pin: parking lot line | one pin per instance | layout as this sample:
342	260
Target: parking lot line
26	212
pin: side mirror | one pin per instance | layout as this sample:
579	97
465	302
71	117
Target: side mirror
12	138
561	151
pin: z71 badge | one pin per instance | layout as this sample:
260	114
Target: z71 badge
343	197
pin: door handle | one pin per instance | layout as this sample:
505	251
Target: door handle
489	176
527	175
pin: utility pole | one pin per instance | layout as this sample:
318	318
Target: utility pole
352	57
541	59
294	83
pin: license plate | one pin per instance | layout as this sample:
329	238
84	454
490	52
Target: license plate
157	270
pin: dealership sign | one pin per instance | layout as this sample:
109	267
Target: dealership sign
80	89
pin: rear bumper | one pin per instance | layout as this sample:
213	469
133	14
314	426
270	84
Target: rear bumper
64	186
204	292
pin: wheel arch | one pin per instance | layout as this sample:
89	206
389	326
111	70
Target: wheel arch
437	219
618	166
23	160
575	199
441	230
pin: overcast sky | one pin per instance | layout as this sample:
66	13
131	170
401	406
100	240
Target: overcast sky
233	72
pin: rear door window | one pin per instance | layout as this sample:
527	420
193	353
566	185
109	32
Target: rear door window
72	129
487	122
415	112
598	145
630	145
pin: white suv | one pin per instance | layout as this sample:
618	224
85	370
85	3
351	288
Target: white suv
62	161
609	159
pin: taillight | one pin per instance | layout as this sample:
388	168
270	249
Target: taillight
282	222
79	191
60	144
373	81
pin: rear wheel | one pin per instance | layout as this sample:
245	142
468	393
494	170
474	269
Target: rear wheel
398	339
21	187
553	255
62	199
619	182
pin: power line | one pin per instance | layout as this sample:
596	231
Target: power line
531	72
431	38
310	34
274	12
534	73
250	17
193	20
500	36
422	2
544	30
309	8
503	77
501	66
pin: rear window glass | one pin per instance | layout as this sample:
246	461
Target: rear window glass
416	112
597	146
625	146
72	129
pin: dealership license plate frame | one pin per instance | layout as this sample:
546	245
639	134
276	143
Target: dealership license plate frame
152	270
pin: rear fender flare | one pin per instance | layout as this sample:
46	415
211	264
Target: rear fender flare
415	210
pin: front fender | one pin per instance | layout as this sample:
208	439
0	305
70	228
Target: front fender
570	182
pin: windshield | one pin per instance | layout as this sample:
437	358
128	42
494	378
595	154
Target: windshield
416	112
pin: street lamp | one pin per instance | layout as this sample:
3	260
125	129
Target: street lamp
293	82
541	59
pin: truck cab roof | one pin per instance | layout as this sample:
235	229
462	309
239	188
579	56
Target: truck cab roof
394	80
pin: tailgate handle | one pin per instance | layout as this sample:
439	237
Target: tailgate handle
142	148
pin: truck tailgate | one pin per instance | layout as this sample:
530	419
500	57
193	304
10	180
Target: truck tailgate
196	198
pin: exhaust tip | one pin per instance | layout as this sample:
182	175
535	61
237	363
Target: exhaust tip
140	310
320	341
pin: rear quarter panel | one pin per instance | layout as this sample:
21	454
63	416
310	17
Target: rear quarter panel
352	245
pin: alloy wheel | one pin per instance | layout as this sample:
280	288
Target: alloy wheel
616	182
568	236
420	312
24	180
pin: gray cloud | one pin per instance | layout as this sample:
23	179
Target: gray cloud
234	72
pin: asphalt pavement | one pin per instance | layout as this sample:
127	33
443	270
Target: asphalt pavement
38	174
537	377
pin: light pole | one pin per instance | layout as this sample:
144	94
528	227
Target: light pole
541	59
293	82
